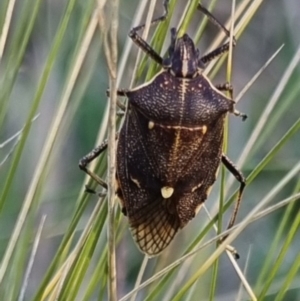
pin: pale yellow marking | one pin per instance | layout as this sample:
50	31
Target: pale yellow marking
136	182
149	82
208	191
149	237
117	185
217	172
145	240
214	88
179	127
177	138
198	208
195	74
185	60
151	125
196	187
204	129
167	192
184	68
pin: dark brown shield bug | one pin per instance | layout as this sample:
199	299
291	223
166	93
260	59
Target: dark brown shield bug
170	145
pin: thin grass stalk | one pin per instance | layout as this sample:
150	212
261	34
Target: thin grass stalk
280	112
68	236
176	263
16	137
287	136
77	271
99	273
10	287
264	273
78	61
240	291
204	22
234	263
129	43
246	17
47	284
18	41
262	164
176	281
187	17
140	276
94	280
121	69
241	274
193	293
83	254
236	232
101	133
282	255
214	276
47	147
144	36
293	130
289	279
157	43
6	25
288	201
32	258
123	62
214	66
5	94
64	269
110	50
225	147
47	287
269	108
257	74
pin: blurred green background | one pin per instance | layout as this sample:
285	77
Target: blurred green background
22	65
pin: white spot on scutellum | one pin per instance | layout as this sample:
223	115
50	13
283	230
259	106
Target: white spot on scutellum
150	125
167	192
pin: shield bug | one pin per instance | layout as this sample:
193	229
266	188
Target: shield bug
170	145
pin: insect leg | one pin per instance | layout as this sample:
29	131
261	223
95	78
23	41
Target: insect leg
140	42
83	162
239	176
222	49
228	87
217	52
120	92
